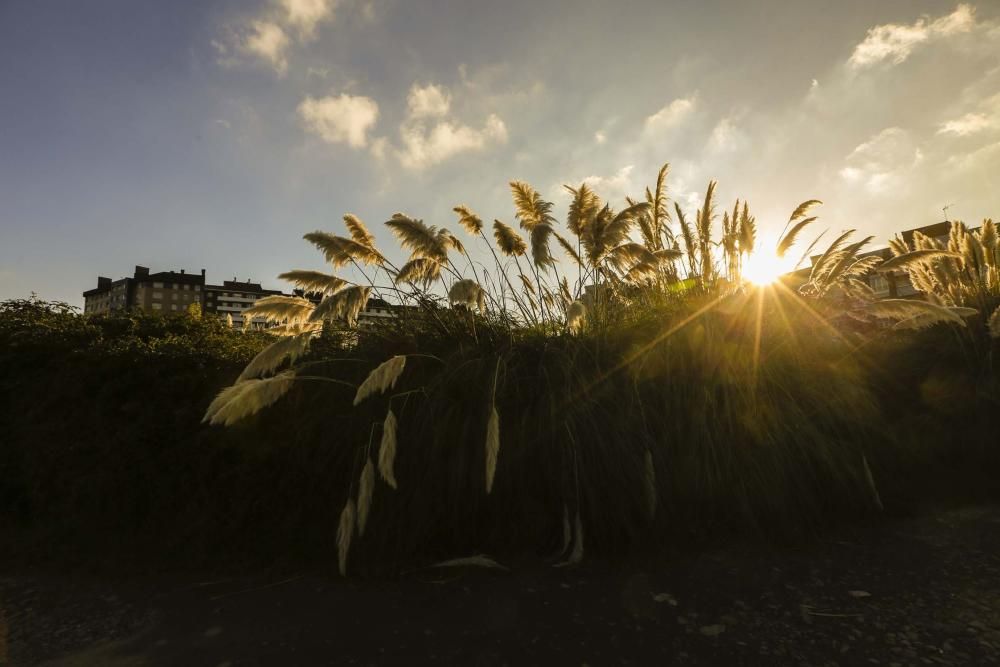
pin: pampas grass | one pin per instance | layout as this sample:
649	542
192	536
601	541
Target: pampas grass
281	308
903	309
366	488
275	354
247	398
345	530
387	450
383	377
509	241
467	293
492	447
471	222
575	316
914	257
313	281
994	323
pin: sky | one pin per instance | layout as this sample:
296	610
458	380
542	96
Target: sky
215	133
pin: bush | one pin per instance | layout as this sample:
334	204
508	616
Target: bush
106	461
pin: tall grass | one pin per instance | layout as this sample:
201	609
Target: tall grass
652	387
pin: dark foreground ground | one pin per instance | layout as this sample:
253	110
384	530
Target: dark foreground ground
922	591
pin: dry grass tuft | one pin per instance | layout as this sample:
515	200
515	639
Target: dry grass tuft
383	377
914	257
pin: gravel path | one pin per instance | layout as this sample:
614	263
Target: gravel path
923	591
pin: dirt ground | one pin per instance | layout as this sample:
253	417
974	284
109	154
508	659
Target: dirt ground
921	591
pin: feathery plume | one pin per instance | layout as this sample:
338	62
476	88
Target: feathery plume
421	240
913	257
280	308
382	377
995	323
366	488
509	241
466	292
469	220
358	231
272	356
788	240
313	281
492	447
803	208
387	450
344	532
530	208
575	315
340	250
422	270
900	309
247	398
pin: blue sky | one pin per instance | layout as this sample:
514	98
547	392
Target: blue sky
214	134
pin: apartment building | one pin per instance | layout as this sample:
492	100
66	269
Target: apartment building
233	297
166	291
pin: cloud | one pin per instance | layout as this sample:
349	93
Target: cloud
970	123
268	42
305	15
671	115
429	101
270	34
600	137
344	119
726	137
614	187
427	145
882	161
895	42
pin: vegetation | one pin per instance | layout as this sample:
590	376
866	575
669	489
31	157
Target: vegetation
639	393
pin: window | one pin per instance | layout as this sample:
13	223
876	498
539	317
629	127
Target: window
173	296
197	288
157	306
187	287
197	298
173	306
158	285
157	295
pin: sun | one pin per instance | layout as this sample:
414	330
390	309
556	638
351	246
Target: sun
763	268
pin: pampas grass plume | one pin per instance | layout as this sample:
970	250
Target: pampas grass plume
383	377
492	447
344	532
366	488
387	450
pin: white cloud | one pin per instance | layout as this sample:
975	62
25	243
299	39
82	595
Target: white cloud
342	119
895	42
970	123
429	101
600	137
268	42
671	115
726	137
883	161
425	146
305	15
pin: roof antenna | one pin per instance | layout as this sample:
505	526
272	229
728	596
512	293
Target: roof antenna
945	210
